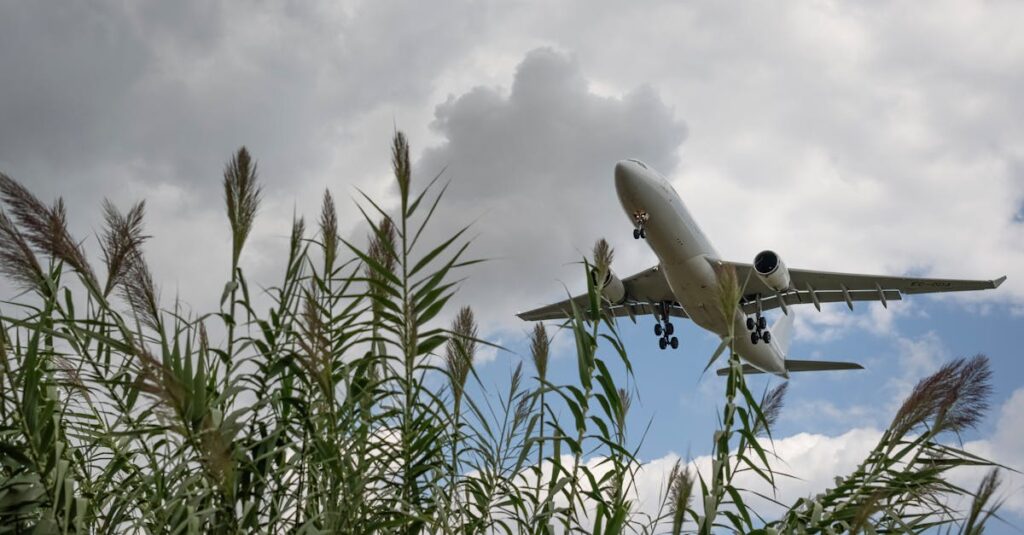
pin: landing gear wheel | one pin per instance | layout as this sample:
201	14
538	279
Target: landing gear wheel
767	337
762	323
754	337
636	234
662	343
750	324
674	343
643	233
670	329
657	329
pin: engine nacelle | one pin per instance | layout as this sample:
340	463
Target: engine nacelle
772	271
611	287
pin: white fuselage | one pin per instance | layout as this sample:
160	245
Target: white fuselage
686	258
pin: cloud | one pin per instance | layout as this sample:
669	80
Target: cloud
835	321
812	461
532	165
104	99
874	140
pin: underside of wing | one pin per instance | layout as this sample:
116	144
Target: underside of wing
644	294
801	366
816	287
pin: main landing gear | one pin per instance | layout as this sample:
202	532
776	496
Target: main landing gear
640	219
758	327
664	330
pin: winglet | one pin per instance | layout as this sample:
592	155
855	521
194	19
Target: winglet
997	282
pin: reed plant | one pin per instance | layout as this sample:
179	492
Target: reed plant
340	401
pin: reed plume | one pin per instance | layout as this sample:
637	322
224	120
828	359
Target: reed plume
138	289
17	261
44	228
771	407
540	347
680	490
952	399
400	163
242	195
329	231
121	241
460	351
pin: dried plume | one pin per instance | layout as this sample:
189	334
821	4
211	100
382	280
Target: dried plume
242	194
314	342
603	256
729	292
329	231
981	509
298	233
951	399
400	162
771	406
680	489
121	241
461	348
382	247
17	261
138	289
44	228
540	348
625	401
382	252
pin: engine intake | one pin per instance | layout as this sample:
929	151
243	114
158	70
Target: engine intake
611	287
772	271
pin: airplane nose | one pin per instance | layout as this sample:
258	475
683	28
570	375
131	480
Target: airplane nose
625	177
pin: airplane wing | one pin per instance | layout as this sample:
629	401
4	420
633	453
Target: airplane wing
644	291
816	287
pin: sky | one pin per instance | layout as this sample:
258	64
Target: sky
874	137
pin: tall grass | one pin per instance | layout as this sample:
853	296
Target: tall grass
344	406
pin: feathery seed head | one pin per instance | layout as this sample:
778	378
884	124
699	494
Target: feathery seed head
540	346
122	239
138	289
329	231
17	261
382	252
400	163
680	488
625	401
952	399
295	240
771	406
242	195
729	292
461	348
45	228
603	256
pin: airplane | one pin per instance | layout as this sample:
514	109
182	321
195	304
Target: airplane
685	282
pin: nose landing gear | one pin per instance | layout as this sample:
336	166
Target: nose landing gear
640	219
665	329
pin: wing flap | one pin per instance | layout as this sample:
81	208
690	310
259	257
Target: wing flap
801	366
804	297
644	291
563	310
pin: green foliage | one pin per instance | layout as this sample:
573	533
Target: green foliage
337	402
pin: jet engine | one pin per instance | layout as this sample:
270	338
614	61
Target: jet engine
772	270
611	287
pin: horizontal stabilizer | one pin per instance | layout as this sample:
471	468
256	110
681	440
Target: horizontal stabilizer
802	366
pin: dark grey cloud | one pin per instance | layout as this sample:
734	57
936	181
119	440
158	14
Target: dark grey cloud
102	98
172	88
535	164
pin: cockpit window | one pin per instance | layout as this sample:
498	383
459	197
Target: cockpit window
638	162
